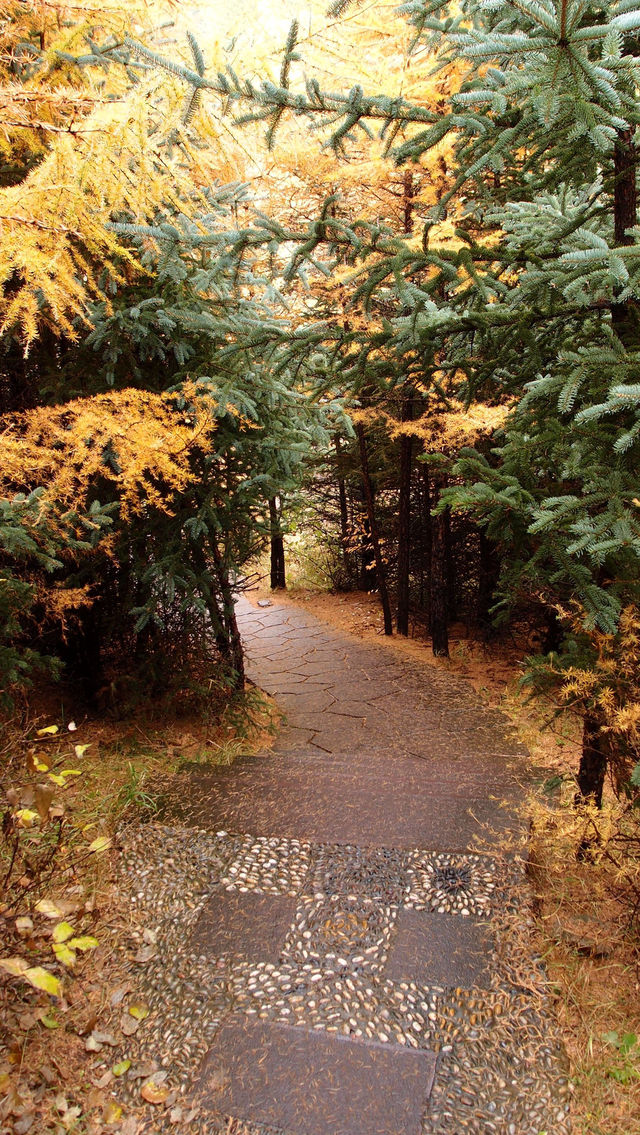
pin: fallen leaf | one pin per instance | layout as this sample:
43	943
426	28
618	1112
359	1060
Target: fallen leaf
49	1021
49	909
41	979
97	1039
64	954
84	942
119	994
80	750
15	966
121	1067
21	1126
154	1091
102	843
27	1021
145	954
26	817
112	1113
62	932
43	800
48	730
24	924
128	1025
139	1010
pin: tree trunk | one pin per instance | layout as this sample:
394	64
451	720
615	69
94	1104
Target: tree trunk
451	567
625	204
368	491
278	579
426	539
229	642
368	578
593	762
404	522
344	511
489	571
408	201
439	584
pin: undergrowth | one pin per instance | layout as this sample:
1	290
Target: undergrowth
64	791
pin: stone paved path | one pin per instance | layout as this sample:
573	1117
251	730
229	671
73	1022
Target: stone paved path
321	946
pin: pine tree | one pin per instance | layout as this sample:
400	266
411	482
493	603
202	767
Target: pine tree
536	301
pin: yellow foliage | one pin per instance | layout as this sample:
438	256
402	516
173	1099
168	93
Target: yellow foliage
99	148
610	684
440	427
137	442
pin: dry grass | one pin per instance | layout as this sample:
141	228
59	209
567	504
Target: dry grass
46	1084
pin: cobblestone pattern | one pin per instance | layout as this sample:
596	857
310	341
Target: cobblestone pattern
500	1067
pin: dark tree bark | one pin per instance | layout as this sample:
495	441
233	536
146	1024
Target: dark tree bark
426	539
451	567
344	510
439	620
367	575
404	522
625	205
278	577
489	571
408	201
368	491
593	762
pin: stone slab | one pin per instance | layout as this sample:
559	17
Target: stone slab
372	800
246	925
439	949
310	1083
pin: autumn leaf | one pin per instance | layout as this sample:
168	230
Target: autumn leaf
122	1067
84	942
26	817
139	1010
15	966
64	955
80	750
62	931
40	978
154	1090
48	730
43	800
112	1113
49	909
102	843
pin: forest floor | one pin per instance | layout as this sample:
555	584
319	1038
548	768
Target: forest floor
68	1073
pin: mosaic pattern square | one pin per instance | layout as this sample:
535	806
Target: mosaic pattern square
341	933
271	866
379	873
450	883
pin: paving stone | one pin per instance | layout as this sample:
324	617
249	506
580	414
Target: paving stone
439	949
307	1083
246	924
327	894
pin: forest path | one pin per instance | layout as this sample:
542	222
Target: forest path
333	884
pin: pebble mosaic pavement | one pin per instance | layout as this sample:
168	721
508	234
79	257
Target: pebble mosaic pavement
315	934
